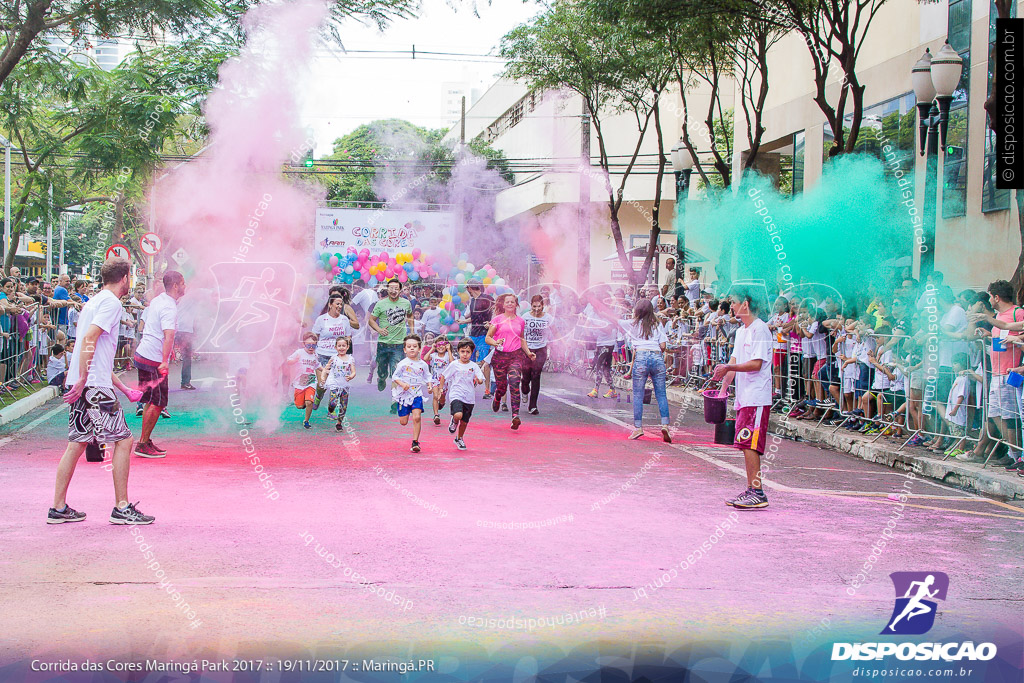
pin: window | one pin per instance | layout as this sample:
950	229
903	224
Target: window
954	170
887	130
992	198
798	163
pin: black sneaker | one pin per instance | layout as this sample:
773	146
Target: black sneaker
504	407
415	447
453	426
437	420
338	426
69	515
460	444
751	500
130	515
534	411
733	500
188	387
1018	465
164	414
394	408
148	450
138	410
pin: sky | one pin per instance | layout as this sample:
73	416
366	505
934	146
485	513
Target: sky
345	91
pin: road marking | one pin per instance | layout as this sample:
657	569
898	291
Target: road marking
33	424
790	489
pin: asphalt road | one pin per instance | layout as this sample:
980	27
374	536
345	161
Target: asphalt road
366	546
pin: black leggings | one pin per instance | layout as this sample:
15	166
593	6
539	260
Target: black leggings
531	376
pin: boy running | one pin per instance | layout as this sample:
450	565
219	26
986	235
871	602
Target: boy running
304	383
459	380
410	382
337	374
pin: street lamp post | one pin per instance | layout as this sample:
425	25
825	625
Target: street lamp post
7	196
682	164
935	80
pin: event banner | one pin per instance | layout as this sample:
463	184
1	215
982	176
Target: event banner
384	231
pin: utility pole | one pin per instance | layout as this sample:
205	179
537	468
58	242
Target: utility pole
7	198
583	225
462	122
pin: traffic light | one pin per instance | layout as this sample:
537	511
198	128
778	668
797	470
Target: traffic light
953	165
308	161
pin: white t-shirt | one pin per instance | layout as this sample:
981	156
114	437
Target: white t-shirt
458	377
432	320
634	333
693	290
537	329
128	325
341	368
777	321
55	366
754	388
882	381
305	374
365	300
329	330
103	310
957	319
416	374
604	332
160	316
959	390
73	317
818	341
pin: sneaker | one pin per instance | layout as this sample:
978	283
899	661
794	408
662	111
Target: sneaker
665	436
487	395
971	456
381	384
305	423
1017	465
188	387
369	377
751	500
637	433
415	448
460	444
1001	462
69	515
138	410
338	426
593	393
437	420
394	408
130	515
611	394
164	414
452	426
534	411
733	501
157	448
495	404
148	450
504	407
516	422
826	403
916	441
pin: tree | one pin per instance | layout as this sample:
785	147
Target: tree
615	67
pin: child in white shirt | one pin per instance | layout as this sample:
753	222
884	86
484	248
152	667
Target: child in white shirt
459	380
336	376
409	384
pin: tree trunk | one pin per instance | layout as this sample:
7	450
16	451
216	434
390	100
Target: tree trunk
35	23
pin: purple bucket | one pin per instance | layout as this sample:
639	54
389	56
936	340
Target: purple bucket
714	405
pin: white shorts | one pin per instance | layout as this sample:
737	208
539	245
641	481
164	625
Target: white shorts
848	384
1002	399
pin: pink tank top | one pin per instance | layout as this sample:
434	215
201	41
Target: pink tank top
509	332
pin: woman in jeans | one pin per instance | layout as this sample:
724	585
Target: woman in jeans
647	338
506	333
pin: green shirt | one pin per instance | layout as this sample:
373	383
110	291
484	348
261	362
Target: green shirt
391	316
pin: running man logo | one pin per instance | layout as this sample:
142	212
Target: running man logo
916	592
251	297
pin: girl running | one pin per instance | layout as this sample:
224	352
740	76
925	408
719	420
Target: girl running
506	333
438	356
335	378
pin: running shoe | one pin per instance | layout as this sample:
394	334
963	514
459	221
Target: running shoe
130	515
453	426
487	395
1018	465
148	450
751	500
1000	462
138	410
305	423
188	387
611	393
826	403
394	408
415	448
338	426
69	515
534	411
155	447
733	500
593	393
437	420
164	414
504	407
381	383
460	444
369	377
516	422
916	441
495	404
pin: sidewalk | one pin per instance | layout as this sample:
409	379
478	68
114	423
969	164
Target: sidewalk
23	406
968	476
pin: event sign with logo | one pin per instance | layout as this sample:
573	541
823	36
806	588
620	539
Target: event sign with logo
379	231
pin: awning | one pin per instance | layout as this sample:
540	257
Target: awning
665	249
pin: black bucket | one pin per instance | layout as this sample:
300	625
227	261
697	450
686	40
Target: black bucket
725	432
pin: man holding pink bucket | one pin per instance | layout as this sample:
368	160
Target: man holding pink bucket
751	367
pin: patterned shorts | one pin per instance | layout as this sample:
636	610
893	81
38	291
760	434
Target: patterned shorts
97	415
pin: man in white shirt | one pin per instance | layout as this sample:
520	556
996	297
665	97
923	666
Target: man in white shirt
95	413
432	317
153	358
751	367
185	335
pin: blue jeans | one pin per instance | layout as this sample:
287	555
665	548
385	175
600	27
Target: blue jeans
649	364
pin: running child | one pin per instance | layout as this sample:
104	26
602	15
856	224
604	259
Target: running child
409	383
459	380
304	382
336	375
438	356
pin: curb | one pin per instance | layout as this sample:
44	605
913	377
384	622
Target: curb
26	405
967	476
